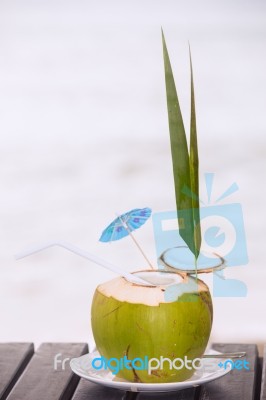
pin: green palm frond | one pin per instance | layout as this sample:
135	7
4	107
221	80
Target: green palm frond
185	164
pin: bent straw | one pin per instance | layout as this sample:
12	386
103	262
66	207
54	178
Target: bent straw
82	253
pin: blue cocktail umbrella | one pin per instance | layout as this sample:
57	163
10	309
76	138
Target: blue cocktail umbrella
123	226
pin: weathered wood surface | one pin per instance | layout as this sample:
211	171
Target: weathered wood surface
263	378
41	381
14	357
25	375
90	391
187	394
237	384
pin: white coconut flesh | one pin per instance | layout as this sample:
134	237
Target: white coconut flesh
169	287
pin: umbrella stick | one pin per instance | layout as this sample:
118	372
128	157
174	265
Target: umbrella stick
140	249
135	241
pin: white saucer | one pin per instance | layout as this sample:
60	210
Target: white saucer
82	367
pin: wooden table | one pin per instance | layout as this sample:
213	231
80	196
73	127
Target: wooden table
28	374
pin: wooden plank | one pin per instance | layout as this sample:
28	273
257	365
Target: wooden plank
258	377
263	377
90	391
237	384
14	357
46	379
187	394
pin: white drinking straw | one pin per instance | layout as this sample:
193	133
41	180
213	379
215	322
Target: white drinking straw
82	253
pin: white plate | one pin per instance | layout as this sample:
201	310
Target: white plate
82	367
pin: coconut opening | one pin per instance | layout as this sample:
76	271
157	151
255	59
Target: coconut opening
159	278
164	287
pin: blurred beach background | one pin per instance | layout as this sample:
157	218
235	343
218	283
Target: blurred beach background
84	134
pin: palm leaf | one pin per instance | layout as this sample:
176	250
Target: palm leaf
194	166
185	167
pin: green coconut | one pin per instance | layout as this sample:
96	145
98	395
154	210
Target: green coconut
172	320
